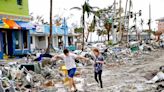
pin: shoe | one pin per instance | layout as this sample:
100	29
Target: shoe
76	90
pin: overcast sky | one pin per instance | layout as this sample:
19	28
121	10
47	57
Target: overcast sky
62	8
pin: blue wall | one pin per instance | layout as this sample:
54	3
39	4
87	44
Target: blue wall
21	51
11	43
61	30
55	30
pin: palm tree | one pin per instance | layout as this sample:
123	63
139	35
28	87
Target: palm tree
86	9
104	18
99	33
91	27
78	30
50	36
108	27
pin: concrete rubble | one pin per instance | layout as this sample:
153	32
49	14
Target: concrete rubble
48	76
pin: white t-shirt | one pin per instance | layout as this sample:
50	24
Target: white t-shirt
69	60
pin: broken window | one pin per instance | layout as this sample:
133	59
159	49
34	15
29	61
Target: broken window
18	44
70	40
41	38
19	2
25	39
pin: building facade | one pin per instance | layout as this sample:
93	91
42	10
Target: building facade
61	38
161	24
14	27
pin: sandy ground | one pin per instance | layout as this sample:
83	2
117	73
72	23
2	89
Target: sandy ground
128	77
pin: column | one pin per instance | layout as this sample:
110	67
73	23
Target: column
46	41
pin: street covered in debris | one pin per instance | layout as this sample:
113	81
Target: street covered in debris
130	73
81	46
132	76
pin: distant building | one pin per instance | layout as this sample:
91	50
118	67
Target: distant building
160	24
133	37
14	27
61	37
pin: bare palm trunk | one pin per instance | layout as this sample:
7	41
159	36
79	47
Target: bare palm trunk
121	31
87	37
83	31
150	22
50	36
126	17
129	21
108	35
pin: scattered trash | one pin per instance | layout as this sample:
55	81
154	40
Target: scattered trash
159	76
51	76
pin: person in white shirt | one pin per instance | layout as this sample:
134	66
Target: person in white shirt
69	60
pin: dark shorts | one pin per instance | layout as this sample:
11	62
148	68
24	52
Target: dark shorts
71	72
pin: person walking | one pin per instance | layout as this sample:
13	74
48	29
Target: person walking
69	60
99	61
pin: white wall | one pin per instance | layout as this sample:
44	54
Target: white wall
66	43
44	44
33	45
55	41
39	44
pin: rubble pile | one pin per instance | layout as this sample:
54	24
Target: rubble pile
50	76
37	77
27	77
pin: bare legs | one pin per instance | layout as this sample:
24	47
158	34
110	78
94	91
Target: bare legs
72	83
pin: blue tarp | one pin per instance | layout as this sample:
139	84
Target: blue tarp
25	25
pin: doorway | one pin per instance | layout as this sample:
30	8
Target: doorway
70	40
5	42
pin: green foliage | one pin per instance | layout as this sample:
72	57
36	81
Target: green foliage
110	42
79	30
11	7
99	32
93	24
86	8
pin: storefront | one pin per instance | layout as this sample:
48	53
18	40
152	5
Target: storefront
59	36
14	38
14	28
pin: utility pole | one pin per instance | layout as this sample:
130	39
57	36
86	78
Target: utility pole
149	21
126	8
128	35
121	31
125	19
113	24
